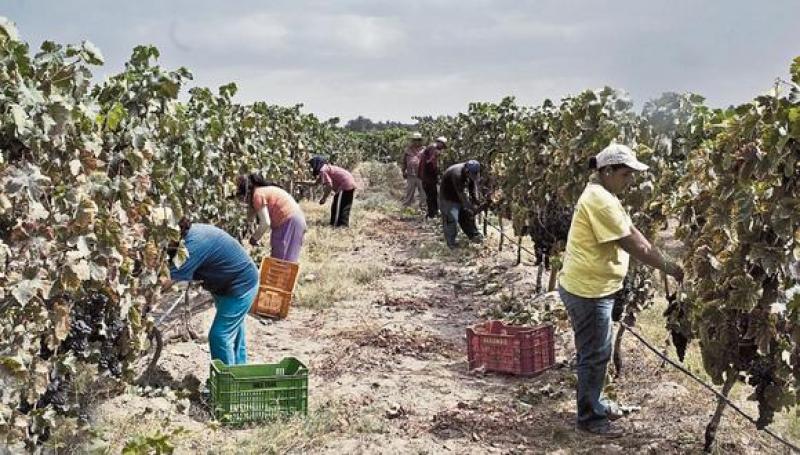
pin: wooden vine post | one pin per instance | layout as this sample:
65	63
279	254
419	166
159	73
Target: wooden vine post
502	233
551	286
711	428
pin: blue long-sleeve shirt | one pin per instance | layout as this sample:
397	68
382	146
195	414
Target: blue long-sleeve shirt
218	260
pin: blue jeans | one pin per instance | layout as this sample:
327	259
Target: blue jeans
453	216
591	322
226	338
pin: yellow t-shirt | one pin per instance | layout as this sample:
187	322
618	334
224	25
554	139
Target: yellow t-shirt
594	264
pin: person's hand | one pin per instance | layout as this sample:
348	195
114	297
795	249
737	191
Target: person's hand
675	271
253	241
165	283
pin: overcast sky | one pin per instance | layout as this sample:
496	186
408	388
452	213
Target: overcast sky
396	59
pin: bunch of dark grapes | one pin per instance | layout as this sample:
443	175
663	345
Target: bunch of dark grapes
548	226
6	224
675	314
90	316
56	395
78	339
761	378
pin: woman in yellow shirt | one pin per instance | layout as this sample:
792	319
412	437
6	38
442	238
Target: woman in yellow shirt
601	238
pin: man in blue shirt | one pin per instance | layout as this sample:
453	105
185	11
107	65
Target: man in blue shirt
226	270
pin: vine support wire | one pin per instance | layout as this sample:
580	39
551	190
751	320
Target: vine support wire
707	386
679	367
486	223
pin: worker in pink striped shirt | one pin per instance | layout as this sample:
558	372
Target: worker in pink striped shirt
339	181
275	210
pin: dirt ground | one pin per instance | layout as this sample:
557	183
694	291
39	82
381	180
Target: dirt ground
388	366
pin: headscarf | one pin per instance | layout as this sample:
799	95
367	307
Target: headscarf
316	164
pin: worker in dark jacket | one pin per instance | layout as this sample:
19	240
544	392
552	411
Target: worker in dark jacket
429	173
459	201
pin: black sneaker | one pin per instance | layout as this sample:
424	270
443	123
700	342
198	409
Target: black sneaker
604	430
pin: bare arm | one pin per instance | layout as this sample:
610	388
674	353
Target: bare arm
640	248
263	225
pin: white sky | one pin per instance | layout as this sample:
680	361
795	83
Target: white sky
390	60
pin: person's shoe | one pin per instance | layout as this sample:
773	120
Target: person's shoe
478	239
605	430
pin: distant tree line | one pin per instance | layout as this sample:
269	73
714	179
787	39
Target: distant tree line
362	124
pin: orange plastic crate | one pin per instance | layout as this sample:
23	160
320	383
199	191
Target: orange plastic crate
524	351
276	284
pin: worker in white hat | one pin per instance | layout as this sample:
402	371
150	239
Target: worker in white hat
409	163
599	242
429	174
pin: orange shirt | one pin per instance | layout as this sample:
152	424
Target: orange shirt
280	204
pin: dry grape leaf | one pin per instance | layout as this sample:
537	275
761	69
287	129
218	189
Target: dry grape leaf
14	364
25	290
81	269
29	179
87	210
61	320
37	212
8	31
91	53
181	255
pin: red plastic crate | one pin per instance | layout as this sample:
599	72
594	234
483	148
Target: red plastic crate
523	351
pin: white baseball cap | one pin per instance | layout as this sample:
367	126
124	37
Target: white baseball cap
619	154
442	139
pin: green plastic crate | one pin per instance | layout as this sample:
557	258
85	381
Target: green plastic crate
248	393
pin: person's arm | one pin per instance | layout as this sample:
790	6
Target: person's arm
325	195
327	182
473	192
263	225
640	248
465	202
196	255
404	164
461	190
